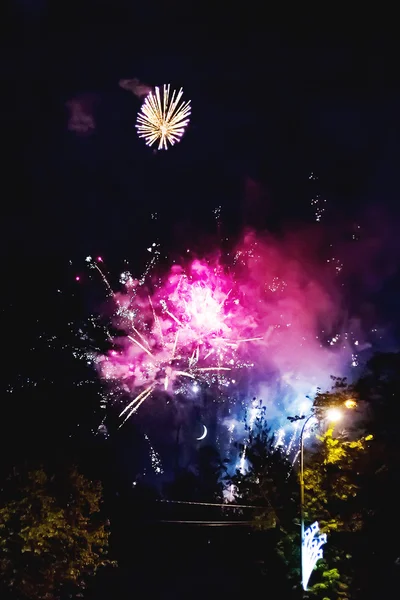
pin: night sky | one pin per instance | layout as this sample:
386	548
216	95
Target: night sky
270	105
273	102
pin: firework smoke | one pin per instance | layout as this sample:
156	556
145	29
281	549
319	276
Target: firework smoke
81	119
135	86
267	324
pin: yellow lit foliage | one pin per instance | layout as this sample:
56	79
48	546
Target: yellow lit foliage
331	481
331	487
51	534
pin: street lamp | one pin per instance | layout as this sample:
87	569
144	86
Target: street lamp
334	415
350	403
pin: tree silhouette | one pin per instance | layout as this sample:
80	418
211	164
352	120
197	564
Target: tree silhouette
380	389
379	559
209	468
269	479
269	483
200	483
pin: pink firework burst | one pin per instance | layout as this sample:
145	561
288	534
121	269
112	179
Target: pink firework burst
191	326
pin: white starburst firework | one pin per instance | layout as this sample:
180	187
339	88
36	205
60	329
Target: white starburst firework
163	117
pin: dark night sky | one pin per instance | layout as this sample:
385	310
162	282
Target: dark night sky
269	105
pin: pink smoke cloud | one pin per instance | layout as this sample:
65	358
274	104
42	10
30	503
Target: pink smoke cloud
297	301
81	117
271	321
137	88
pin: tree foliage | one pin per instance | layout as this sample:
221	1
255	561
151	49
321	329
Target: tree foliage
337	397
331	481
379	557
332	484
52	534
333	476
268	480
200	481
379	388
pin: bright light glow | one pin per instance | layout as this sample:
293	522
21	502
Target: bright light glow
254	412
334	415
305	406
163	118
350	403
311	551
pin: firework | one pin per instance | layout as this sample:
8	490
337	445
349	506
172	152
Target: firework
189	328
255	411
248	330
163	117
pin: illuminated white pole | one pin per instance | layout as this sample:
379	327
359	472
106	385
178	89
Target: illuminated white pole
310	546
302	494
311	551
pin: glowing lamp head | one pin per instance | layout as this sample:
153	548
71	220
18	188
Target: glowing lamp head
350	403
333	415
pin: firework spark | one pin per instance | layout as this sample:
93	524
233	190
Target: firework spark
248	330
163	117
190	327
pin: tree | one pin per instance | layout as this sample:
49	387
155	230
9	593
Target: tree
200	482
269	479
52	534
333	477
269	484
379	389
332	482
341	395
209	470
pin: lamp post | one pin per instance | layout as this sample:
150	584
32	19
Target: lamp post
302	483
333	415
